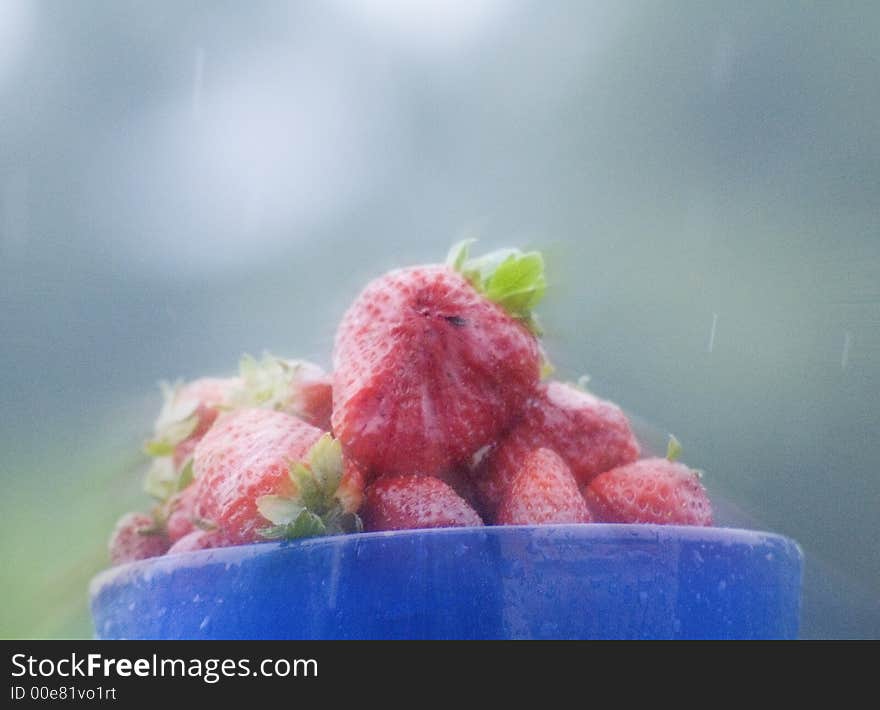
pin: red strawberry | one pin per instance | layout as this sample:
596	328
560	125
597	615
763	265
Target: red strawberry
406	502
350	492
259	466
181	514
589	434
314	397
196	540
297	387
650	491
428	369
188	413
136	537
244	456
543	492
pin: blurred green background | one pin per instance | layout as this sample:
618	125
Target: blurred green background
184	182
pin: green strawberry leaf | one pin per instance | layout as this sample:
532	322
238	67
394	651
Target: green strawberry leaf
511	278
160	514
458	254
261	381
317	478
169	435
177	420
279	510
306	524
158	448
161	479
309	493
313	509
269	382
325	463
186	476
518	283
175	409
205	524
152	530
273	532
673	448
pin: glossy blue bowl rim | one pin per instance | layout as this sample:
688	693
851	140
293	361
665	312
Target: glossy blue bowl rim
493	545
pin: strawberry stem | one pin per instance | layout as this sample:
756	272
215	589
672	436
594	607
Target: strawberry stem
673	448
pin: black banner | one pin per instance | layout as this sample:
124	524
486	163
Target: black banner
131	673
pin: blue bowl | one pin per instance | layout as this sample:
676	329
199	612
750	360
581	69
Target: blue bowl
549	582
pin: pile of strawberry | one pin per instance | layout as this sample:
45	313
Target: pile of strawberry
439	412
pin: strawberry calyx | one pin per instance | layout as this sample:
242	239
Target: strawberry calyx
204	524
269	383
157	528
176	422
509	277
158	516
186	475
163	480
314	509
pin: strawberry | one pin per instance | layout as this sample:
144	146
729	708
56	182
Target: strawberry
136	537
410	501
256	465
181	518
431	362
188	413
589	434
296	387
350	492
314	397
652	490
327	491
543	492
196	540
